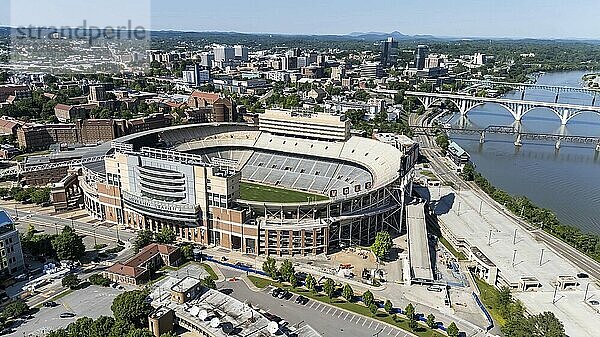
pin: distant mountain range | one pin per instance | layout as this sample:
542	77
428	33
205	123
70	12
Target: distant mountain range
376	36
357	36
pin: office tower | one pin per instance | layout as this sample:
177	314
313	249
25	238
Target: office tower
241	53
371	70
389	52
97	93
224	53
421	54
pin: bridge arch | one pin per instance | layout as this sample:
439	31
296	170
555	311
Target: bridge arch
506	107
579	112
557	113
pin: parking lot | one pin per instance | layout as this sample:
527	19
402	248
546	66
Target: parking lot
327	320
93	301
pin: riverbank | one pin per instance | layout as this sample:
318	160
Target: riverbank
536	216
562	180
592	80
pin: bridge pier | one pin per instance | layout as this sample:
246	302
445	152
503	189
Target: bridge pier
482	137
518	142
557	145
598	147
566	114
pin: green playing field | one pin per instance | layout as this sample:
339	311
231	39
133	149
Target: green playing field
256	192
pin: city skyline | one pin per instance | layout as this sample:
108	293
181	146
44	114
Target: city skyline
465	18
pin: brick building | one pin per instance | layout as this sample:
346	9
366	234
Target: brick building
139	268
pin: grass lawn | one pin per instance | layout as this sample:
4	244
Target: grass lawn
22	157
400	321
256	192
457	254
210	271
488	297
429	175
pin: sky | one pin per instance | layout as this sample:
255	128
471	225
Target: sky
455	18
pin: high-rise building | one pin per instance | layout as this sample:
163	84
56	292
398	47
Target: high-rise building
371	70
241	53
337	73
224	53
11	254
432	62
97	93
479	59
389	52
195	75
206	59
420	55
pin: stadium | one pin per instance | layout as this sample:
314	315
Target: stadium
295	184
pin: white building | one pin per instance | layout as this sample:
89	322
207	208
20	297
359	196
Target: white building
224	53
11	254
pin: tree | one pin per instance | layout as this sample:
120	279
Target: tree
329	287
431	321
310	283
270	267
368	298
452	330
443	142
409	312
81	327
348	293
166	236
102	326
468	172
382	245
68	245
58	333
293	280
143	238
70	281
15	309
373	308
140	333
187	251
99	280
286	270
209	282
131	306
120	329
387	306
547	325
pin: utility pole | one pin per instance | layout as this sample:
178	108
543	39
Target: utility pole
555	290
480	204
541	256
490	238
515	237
514	257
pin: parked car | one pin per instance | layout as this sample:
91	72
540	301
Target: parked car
67	315
434	288
276	292
244	265
583	275
50	304
284	295
301	300
594	302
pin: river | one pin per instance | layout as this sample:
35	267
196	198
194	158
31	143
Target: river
567	181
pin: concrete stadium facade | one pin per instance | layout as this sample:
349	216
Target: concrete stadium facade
188	178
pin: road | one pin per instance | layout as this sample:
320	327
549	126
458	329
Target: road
57	223
446	173
327	320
